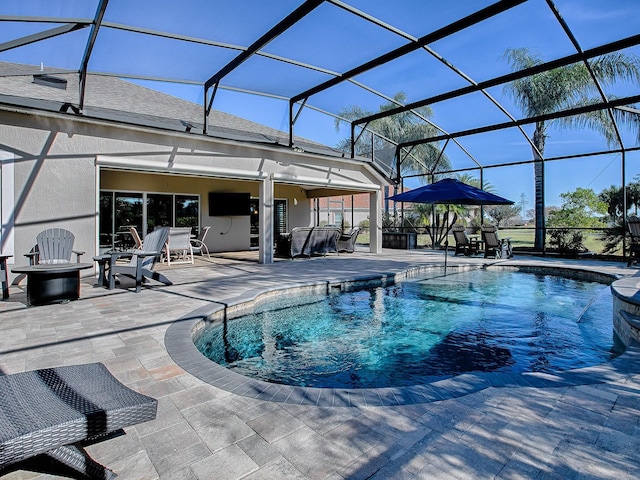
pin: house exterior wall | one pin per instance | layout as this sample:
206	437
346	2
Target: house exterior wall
226	233
54	185
56	181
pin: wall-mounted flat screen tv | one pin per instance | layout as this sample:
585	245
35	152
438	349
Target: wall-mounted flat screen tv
226	204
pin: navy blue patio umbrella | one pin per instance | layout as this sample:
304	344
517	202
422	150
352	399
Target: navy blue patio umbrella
450	191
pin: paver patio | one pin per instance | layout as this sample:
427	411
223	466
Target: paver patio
583	428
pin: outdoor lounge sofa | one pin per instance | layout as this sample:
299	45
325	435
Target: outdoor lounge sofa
308	241
50	414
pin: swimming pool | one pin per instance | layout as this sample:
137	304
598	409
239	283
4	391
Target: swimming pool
415	331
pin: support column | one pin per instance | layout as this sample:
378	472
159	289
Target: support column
265	214
375	222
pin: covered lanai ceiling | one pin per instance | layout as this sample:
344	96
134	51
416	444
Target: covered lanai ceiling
297	66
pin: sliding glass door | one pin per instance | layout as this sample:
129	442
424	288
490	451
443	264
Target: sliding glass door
159	211
127	214
119	211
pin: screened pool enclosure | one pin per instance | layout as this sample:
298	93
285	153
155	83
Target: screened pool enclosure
420	90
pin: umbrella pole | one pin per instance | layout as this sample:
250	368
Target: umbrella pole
446	240
433	226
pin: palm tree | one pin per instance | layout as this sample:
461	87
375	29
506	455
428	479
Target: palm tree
563	88
402	127
473	211
389	131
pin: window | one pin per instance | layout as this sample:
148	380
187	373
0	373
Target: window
187	212
159	211
119	211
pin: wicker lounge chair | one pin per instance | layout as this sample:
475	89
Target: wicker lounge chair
633	224
494	246
464	244
54	245
347	241
142	261
52	413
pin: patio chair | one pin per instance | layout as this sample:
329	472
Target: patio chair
54	245
347	241
494	246
197	244
633	224
136	238
179	246
141	263
51	414
464	244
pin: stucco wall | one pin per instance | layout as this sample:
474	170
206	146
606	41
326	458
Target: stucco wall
56	175
54	186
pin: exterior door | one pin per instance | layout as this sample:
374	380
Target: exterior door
279	220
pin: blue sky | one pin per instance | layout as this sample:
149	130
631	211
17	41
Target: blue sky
335	40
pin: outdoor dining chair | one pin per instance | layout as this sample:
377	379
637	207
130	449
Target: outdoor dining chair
136	237
179	246
347	241
197	244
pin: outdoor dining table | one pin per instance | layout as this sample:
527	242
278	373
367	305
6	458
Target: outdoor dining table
51	283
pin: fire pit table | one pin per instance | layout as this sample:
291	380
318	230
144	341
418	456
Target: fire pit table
52	283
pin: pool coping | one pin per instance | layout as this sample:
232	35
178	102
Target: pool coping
180	346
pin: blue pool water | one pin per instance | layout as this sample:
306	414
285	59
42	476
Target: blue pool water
419	330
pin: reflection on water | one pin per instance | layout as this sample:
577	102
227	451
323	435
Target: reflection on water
415	331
